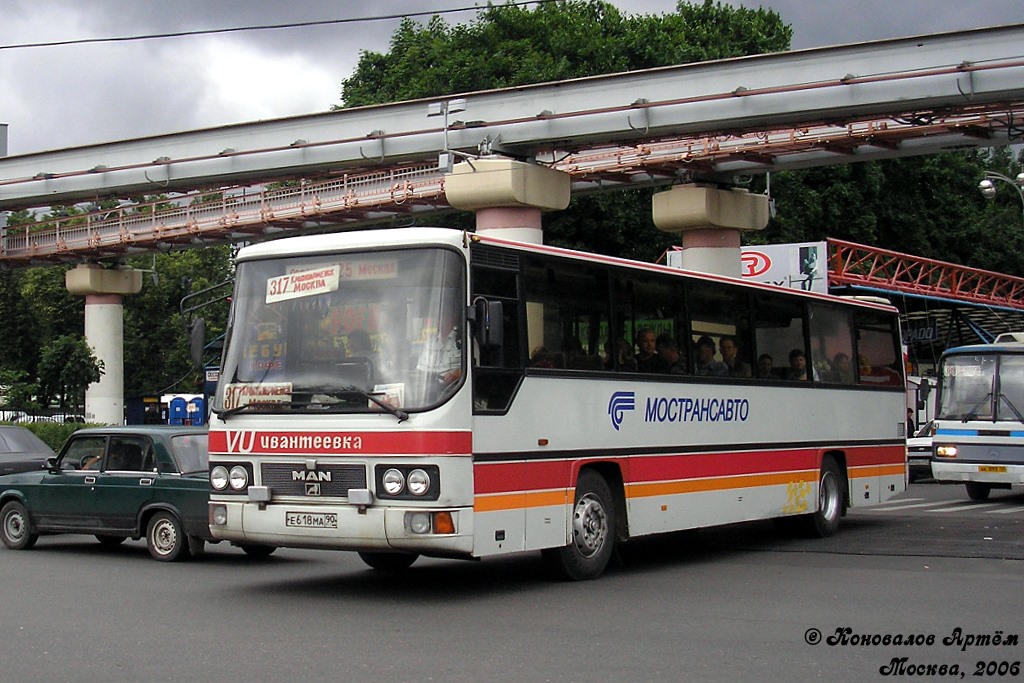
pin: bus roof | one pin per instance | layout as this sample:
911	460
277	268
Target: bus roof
402	237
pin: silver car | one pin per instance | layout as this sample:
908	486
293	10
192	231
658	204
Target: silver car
21	450
919	453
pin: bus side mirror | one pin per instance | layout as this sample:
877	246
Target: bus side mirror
197	342
489	333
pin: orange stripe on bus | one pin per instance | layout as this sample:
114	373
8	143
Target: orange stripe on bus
516	501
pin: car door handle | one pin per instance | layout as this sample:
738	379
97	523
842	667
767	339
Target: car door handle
90	480
145	482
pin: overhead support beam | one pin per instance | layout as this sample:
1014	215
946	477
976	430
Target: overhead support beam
921	74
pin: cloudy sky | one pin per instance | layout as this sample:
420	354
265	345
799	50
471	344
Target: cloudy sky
65	96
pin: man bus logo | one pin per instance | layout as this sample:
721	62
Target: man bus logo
754	263
621	401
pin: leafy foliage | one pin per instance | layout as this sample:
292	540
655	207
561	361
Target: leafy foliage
67	367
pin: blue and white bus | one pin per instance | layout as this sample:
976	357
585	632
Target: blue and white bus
979	424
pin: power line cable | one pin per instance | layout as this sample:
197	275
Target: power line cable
267	27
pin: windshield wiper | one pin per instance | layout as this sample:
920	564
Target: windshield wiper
971	414
339	392
1016	412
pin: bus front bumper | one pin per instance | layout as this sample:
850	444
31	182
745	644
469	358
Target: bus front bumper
959	472
344	527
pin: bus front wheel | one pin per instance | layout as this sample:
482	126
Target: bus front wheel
593	532
388	562
976	491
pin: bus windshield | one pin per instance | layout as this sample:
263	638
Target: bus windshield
967	387
364	332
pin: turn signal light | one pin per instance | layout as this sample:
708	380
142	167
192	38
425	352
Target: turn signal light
443	523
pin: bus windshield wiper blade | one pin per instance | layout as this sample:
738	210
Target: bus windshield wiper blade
1016	412
971	414
338	392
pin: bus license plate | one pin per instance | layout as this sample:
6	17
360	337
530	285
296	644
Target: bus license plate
992	468
307	520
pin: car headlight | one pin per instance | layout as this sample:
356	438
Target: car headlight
394	482
238	477
945	451
419	482
219	478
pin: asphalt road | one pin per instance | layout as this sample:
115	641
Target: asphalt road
737	604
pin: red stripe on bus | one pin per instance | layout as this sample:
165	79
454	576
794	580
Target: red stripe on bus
553	474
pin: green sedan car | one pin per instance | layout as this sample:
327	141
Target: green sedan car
117	483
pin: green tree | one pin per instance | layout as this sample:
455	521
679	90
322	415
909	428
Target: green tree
67	367
509	46
156	356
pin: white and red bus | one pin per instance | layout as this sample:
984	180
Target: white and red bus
430	392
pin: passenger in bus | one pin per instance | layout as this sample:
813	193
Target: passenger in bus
541	358
797	365
621	359
672	361
729	347
647	358
765	368
442	356
706	364
360	348
842	369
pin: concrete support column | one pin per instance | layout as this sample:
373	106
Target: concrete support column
710	221
104	290
507	195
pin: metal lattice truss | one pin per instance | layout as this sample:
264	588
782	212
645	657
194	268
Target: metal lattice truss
860	266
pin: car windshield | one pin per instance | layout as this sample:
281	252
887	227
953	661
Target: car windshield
191	452
366	332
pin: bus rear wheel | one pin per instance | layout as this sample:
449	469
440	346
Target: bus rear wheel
825	520
593	532
976	491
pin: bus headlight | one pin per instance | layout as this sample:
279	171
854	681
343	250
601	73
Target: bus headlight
945	451
393	481
219	478
419	482
238	477
407	482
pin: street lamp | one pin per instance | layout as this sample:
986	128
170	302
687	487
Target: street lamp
988	188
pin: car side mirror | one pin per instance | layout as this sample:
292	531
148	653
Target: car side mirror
51	463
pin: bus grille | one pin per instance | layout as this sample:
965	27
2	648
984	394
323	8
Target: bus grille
333	480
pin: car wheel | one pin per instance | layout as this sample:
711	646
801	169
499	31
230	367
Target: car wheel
593	532
15	528
165	538
110	541
388	562
976	491
257	550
